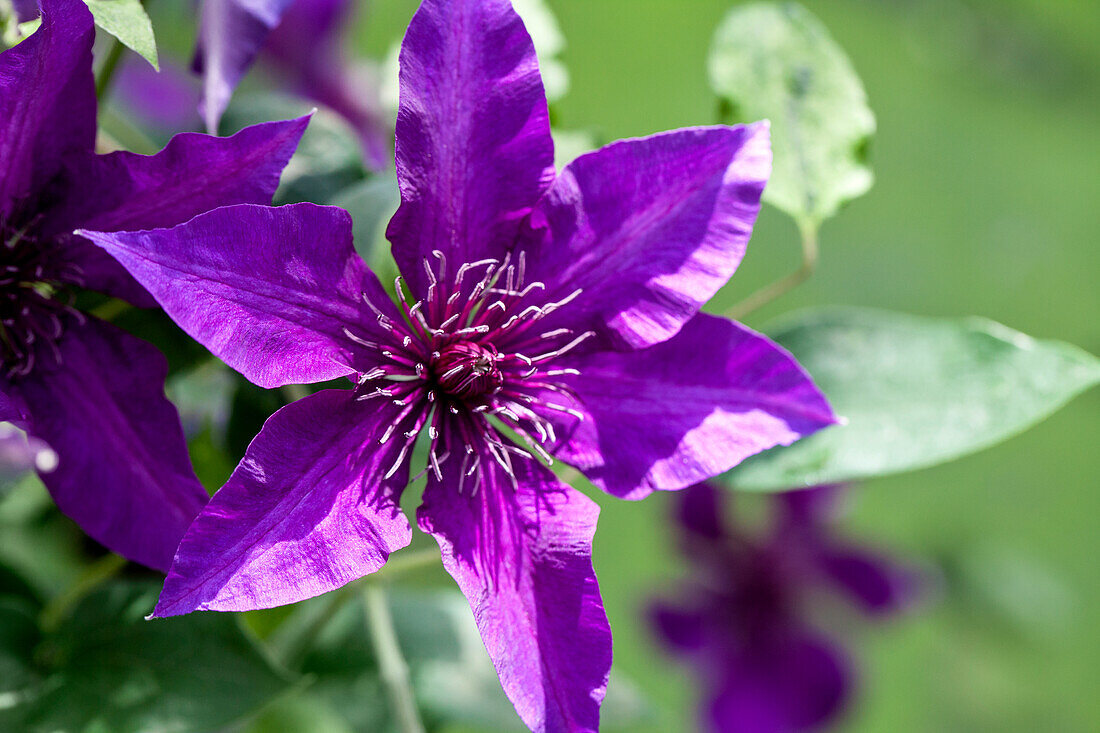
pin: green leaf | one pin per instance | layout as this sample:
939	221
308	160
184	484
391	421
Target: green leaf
250	408
371	204
127	21
38	545
18	637
915	391
108	669
778	62
301	713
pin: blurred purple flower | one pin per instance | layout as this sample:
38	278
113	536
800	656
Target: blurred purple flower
92	392
563	308
25	10
300	42
20	454
230	35
306	53
163	100
746	621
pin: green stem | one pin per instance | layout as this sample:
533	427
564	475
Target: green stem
97	573
295	392
107	70
111	310
392	665
296	648
780	287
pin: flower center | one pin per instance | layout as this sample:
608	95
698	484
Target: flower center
466	369
34	303
475	353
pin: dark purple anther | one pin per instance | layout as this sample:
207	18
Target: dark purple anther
35	302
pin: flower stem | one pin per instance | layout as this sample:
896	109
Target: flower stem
295	392
295	648
768	293
111	310
107	70
391	663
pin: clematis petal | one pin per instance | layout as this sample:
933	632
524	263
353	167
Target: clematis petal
47	100
98	270
790	685
649	229
123	472
687	409
12	407
808	511
473	135
230	35
193	174
25	10
162	100
682	629
870	580
268	290
307	510
523	557
701	511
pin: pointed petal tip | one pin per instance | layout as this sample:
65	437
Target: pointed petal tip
100	239
165	609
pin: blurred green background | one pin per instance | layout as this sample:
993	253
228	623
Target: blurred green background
986	202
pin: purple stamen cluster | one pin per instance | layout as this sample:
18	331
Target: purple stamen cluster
471	352
35	302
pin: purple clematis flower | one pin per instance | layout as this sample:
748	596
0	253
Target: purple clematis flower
92	392
544	314
746	621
